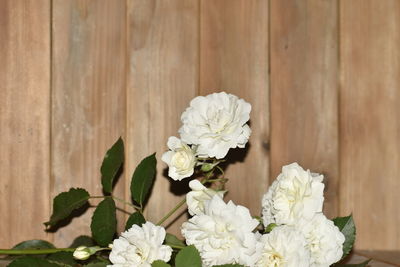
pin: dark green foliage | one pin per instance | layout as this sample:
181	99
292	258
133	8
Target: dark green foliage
66	202
104	222
112	162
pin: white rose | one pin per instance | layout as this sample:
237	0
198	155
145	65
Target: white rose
181	159
140	246
216	123
324	240
284	246
197	198
295	194
223	234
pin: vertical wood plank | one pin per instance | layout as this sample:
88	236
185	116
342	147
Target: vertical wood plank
369	120
163	78
89	55
304	89
24	119
234	58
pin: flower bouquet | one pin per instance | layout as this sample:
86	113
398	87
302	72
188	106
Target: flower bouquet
292	231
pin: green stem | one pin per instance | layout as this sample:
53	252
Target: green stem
183	201
176	246
180	204
217	180
118	199
221	170
34	251
126	202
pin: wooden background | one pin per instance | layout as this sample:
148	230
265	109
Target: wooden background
323	77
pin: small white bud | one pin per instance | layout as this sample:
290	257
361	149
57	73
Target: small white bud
82	253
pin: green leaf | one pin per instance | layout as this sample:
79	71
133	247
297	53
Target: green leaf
143	179
270	227
32	262
65	203
363	264
189	256
104	222
112	162
173	241
347	227
83	240
135	218
34	244
62	257
228	265
160	264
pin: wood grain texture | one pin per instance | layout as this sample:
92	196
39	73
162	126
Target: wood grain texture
88	97
163	78
369	120
387	256
304	90
234	58
384	258
24	119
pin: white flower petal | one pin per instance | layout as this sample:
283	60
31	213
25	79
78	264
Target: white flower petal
294	195
174	143
199	196
223	234
324	240
216	123
181	159
283	247
140	246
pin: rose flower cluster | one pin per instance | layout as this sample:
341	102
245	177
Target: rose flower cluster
293	232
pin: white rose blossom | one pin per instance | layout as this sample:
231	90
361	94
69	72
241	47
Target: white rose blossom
199	196
216	123
324	240
294	195
223	234
140	246
181	159
284	246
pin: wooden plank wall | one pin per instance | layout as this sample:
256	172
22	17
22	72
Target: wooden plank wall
88	96
370	119
304	85
24	119
322	77
163	77
234	58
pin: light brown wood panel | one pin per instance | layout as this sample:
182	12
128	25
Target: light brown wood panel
304	90
163	78
234	58
369	120
24	119
88	98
